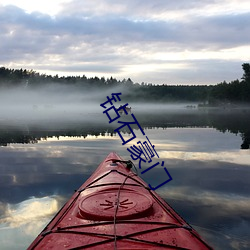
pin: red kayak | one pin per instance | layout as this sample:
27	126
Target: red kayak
115	209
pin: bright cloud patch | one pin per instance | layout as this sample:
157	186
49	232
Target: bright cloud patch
171	42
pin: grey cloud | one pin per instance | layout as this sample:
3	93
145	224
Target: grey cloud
209	71
219	31
134	8
85	68
98	40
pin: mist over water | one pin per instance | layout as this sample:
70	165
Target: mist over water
59	107
200	147
57	103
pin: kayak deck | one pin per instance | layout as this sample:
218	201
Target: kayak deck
115	209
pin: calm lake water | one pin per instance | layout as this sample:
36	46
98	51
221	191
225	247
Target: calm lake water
44	158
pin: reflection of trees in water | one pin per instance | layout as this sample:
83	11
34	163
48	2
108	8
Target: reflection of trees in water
246	141
35	133
233	121
222	120
8	137
236	123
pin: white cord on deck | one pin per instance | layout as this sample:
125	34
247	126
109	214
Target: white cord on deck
117	206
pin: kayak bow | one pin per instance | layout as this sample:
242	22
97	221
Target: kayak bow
115	209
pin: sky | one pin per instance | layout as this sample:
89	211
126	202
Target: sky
152	41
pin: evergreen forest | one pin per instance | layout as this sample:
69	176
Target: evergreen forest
224	93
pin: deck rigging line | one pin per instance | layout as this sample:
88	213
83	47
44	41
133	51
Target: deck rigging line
118	202
115	237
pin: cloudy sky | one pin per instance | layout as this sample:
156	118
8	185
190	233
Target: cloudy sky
157	41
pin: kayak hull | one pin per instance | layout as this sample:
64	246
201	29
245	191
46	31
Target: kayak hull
115	209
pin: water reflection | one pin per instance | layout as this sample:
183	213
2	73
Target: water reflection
20	222
210	173
212	196
233	121
33	209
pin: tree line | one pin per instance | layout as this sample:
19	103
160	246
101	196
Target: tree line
236	91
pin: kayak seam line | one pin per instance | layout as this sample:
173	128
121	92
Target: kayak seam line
173	212
166	208
192	231
44	233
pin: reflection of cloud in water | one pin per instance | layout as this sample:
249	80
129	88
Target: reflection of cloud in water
105	136
62	157
194	139
226	216
237	157
210	186
228	203
29	212
22	222
229	240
